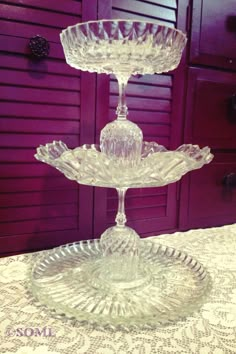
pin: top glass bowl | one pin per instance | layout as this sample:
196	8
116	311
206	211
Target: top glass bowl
122	46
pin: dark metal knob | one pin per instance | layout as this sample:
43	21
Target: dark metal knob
229	180
232	108
39	47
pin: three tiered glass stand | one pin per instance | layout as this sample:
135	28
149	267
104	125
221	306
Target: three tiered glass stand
119	280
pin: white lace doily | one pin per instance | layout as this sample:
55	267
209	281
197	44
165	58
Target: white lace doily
26	328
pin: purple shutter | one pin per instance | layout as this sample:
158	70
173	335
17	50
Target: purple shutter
41	101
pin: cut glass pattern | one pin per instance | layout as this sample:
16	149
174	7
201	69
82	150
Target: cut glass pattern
157	166
120	280
118	46
74	280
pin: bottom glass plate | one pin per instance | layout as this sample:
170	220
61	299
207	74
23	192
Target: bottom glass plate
74	280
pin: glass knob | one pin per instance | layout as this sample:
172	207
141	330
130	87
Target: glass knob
121	140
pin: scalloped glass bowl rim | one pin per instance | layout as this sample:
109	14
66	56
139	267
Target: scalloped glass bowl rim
80	24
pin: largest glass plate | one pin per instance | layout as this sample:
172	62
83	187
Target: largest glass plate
71	281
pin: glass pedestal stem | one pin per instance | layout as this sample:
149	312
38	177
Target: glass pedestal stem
122	109
120	216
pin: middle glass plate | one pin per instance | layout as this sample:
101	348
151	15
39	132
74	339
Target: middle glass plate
158	166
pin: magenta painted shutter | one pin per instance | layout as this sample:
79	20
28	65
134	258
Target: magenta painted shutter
46	100
41	101
150	102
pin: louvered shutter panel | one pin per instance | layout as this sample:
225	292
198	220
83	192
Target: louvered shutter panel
41	101
150	103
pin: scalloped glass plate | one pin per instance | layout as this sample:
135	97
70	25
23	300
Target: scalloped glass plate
71	281
158	166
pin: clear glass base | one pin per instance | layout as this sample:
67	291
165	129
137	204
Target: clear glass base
77	281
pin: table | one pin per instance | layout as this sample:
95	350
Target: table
27	328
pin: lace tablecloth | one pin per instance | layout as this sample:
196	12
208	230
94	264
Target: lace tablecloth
26	328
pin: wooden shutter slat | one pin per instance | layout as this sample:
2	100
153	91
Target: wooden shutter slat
25	30
145	8
47	67
59	182
166	3
67	7
30	15
129	15
37	212
31	226
38	198
24	78
10	93
24	170
34	140
14	125
34	110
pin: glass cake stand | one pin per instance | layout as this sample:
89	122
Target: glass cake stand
121	280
